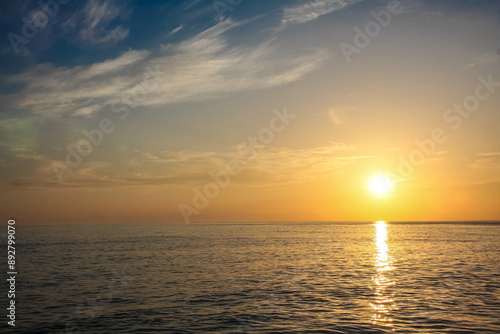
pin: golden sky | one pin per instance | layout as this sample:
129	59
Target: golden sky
283	111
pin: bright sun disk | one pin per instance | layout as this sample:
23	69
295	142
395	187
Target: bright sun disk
380	184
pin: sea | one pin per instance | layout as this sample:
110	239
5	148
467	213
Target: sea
371	277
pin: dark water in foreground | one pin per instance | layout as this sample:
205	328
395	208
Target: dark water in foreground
249	278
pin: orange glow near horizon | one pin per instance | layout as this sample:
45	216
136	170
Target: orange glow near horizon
291	127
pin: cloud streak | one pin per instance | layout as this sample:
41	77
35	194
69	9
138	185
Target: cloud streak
272	166
96	18
305	12
201	68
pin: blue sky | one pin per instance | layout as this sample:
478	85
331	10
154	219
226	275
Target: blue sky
206	75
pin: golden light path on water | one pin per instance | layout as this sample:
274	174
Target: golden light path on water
383	302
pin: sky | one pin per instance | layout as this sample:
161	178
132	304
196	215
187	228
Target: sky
249	111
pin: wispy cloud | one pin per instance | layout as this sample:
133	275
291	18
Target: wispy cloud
18	135
489	57
272	166
176	29
486	58
305	12
487	160
201	68
114	65
52	91
95	22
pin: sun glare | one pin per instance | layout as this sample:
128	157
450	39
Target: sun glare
380	185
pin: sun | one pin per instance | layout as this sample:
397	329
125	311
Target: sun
380	185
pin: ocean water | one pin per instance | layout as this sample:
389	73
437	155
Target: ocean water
258	278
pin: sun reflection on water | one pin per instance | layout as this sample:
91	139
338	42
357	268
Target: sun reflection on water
383	302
